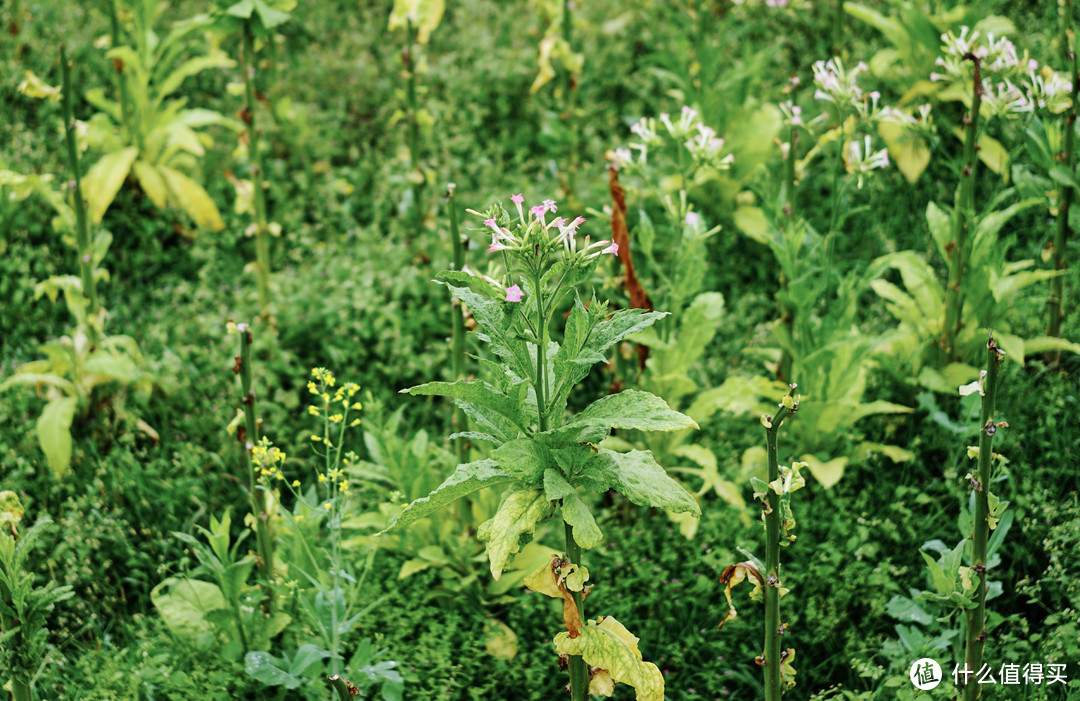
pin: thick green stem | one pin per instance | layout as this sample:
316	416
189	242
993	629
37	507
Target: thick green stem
457	352
773	632
976	618
264	541
579	671
82	232
541	352
962	215
262	231
121	84
1057	284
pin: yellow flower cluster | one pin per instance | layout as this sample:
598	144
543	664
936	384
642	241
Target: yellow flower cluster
266	459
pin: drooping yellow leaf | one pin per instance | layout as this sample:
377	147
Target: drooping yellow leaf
908	150
607	644
33	86
732	575
827	473
192	199
103	181
512	526
152	183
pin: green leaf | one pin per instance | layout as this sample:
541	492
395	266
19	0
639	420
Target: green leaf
264	667
424	15
111	366
152	183
940	228
638	477
575	512
696	328
54	432
183	605
908	150
608	645
467	478
494	321
193	199
943	584
753	222
103	181
524	459
512	526
192	67
474	392
631	409
827	473
555	485
1043	344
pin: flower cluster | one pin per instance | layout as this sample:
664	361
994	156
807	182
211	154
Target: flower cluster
999	64
267	460
320	384
836	84
862	159
1046	89
689	132
534	238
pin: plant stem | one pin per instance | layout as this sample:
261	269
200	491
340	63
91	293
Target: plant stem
121	84
579	671
264	542
571	88
772	567
541	352
457	352
976	618
1057	284
262	233
82	231
962	214
414	126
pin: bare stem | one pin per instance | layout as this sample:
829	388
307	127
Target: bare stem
83	242
579	671
457	353
1057	284
771	656
262	233
976	618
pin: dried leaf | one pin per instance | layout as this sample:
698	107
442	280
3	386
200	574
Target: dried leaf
732	576
621	236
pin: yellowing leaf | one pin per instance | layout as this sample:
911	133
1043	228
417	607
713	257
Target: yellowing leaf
103	181
827	473
549	581
731	576
11	510
152	183
513	526
35	87
752	222
991	153
500	640
908	150
608	645
424	15
193	199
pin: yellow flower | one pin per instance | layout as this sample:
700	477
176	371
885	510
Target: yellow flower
357	406
327	506
312	388
313	410
355	422
317	439
343	487
322	478
296	483
336	418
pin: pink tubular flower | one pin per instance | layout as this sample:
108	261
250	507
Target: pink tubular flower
490	223
551	206
517	200
613	249
513	293
496	246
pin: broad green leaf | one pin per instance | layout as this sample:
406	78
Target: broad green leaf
474	392
608	645
696	328
54	432
193	199
1043	344
111	366
267	669
991	152
103	181
738	395
424	15
467	478
893	30
183	605
192	67
631	409
500	640
638	477
524	459
1006	286
943	584
904	609
940	224
493	319
512	526
753	222
575	512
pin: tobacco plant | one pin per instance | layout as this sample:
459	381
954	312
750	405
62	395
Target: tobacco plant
776	513
146	132
78	367
542	453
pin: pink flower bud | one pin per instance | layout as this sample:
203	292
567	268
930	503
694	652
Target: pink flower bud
513	293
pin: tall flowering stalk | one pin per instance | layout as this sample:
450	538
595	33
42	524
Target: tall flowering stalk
457	350
1061	231
993	61
544	454
262	229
